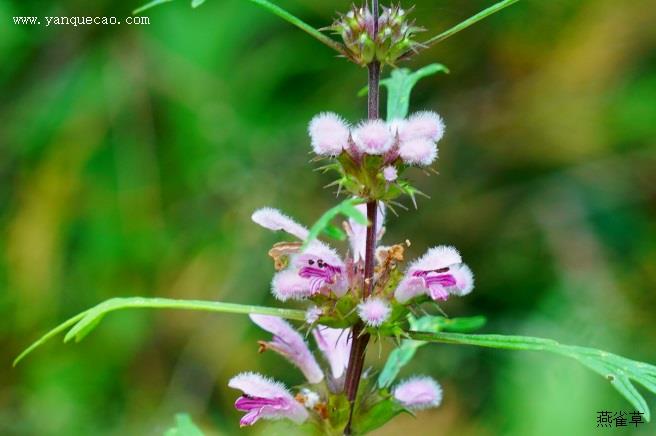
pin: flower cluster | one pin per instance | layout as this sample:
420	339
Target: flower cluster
412	141
318	273
394	37
264	398
371	155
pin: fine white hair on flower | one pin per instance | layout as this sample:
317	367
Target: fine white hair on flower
288	285
373	137
438	257
329	134
273	219
265	399
464	280
257	385
390	173
418	151
418	393
374	311
425	124
312	314
290	344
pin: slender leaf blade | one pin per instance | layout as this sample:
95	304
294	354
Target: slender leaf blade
280	12
618	370
83	323
470	21
149	5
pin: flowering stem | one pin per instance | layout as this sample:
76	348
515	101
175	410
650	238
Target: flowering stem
360	340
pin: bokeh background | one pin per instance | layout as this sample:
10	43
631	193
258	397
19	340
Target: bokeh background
131	158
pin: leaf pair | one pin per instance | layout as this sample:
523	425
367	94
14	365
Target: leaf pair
619	371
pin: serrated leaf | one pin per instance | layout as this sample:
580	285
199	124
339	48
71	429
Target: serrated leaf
184	426
83	323
618	370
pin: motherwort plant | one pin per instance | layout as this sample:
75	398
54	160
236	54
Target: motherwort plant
371	292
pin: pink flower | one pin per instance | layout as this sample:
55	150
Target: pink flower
418	151
426	124
266	399
390	174
373	137
312	314
374	311
315	270
290	344
419	393
329	134
335	344
437	273
357	233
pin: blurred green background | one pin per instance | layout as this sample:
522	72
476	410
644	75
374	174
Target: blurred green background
131	158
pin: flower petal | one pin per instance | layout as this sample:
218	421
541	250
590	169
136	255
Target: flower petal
329	134
419	393
335	344
273	219
290	344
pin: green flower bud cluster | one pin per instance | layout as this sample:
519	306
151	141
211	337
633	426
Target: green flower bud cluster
364	44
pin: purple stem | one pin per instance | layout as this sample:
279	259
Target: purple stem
360	340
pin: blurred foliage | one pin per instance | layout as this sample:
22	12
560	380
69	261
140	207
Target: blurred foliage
131	158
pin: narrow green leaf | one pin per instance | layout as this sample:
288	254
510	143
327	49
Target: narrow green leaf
82	323
470	21
184	426
52	333
618	370
196	3
403	354
149	5
399	86
277	10
334	232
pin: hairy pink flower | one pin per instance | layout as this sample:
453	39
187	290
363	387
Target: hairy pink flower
318	269
374	311
437	273
419	393
335	344
373	137
418	151
312	314
290	344
426	124
266	399
390	174
329	134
